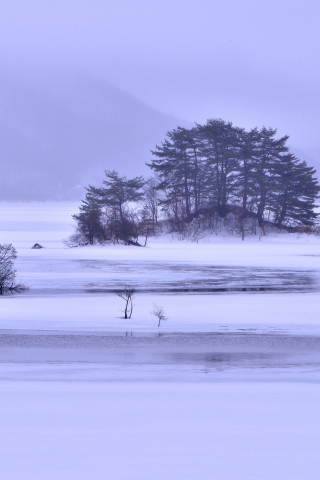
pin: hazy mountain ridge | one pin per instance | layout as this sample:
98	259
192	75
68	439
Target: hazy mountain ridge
63	133
59	132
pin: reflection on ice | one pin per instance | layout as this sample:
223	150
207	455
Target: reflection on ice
170	356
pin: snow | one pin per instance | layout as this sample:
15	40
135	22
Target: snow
190	313
143	431
229	391
71	288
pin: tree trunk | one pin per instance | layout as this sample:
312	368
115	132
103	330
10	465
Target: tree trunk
195	183
261	207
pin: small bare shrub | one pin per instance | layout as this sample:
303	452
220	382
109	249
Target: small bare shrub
127	294
159	313
8	255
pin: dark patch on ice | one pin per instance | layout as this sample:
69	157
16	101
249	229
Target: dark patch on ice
103	276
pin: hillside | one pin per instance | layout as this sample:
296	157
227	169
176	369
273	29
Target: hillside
58	134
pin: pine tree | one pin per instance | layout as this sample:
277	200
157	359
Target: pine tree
104	214
247	157
179	170
269	153
89	219
117	191
219	147
294	198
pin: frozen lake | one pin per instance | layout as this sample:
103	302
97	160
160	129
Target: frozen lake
261	290
268	283
180	357
93	275
227	388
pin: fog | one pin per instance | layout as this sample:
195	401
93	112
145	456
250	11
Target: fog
62	133
93	85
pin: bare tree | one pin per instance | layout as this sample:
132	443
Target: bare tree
127	294
151	199
158	312
8	283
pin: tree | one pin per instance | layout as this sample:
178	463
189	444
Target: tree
247	157
151	200
269	156
219	146
105	215
114	197
89	220
8	255
126	293
117	191
179	170
158	312
294	199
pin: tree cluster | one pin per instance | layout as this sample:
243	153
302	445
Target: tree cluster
203	176
218	168
109	213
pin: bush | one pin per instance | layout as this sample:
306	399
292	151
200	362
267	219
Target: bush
8	274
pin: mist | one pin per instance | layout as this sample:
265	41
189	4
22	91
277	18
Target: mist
60	134
92	85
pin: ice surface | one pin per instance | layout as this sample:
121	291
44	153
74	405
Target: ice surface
180	357
143	431
227	388
234	284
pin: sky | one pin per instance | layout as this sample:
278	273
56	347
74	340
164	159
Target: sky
252	62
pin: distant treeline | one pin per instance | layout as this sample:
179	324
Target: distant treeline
202	176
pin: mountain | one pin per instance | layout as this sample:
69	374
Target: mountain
59	133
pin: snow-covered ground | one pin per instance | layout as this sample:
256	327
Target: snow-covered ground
221	283
143	431
229	390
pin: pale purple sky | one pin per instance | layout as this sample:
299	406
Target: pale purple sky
253	62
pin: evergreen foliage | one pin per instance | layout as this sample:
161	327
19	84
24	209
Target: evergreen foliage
202	176
220	168
105	215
